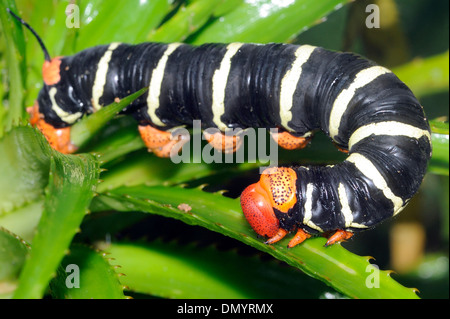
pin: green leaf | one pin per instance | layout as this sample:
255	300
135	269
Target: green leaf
439	163
440	160
339	268
206	272
16	66
146	168
13	252
120	16
265	21
439	127
24	220
24	166
86	274
187	20
71	187
82	131
426	76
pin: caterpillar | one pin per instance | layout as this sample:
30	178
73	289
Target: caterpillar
299	89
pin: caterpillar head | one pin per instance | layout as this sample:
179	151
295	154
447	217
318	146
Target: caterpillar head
276	189
60	111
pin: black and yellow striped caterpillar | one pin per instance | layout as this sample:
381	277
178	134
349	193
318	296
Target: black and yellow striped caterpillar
364	108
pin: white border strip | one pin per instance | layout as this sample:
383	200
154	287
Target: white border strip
367	168
63	115
345	208
390	128
219	84
363	78
100	76
154	88
308	208
290	81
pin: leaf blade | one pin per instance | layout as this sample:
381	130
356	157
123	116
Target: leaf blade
334	265
71	188
86	274
265	21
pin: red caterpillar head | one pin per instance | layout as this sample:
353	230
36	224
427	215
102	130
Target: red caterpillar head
275	189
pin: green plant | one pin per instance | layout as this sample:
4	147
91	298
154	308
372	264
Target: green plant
87	209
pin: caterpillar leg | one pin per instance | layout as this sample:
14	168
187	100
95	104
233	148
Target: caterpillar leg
278	236
339	235
58	138
222	142
299	238
290	142
157	141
